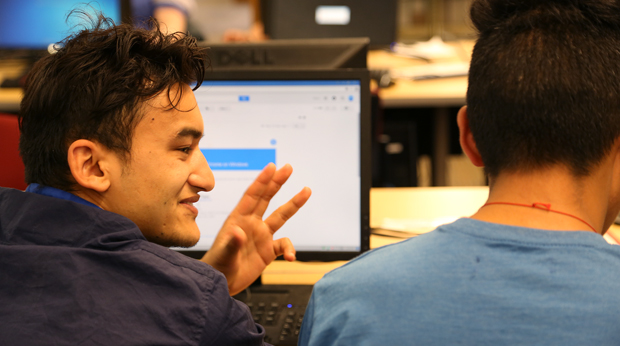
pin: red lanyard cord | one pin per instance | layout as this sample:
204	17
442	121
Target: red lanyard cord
543	206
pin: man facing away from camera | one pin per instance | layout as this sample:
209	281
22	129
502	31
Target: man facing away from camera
530	267
110	132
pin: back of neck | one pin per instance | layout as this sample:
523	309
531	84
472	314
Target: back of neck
579	201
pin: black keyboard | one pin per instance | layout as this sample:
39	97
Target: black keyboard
279	309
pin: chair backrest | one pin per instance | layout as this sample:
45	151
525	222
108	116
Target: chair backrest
11	165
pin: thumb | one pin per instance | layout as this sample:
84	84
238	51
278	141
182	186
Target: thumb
284	246
232	244
222	255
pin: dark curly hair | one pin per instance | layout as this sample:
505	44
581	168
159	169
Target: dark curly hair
93	88
544	83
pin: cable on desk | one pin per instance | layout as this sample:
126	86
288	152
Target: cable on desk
392	233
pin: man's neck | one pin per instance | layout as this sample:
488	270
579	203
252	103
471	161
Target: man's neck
90	196
582	202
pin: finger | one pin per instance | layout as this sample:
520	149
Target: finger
285	247
225	249
279	178
255	191
234	243
287	210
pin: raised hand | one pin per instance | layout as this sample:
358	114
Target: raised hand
245	245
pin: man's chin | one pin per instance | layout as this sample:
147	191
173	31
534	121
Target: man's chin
185	239
183	243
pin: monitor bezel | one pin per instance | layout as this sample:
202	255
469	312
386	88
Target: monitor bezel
365	147
289	54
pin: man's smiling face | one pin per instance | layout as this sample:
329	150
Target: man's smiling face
158	184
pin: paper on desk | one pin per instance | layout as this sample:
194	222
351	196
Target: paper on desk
435	48
410	227
434	70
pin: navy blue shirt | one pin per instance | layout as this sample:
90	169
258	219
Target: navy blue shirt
72	273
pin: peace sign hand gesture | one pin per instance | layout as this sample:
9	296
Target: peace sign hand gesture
245	245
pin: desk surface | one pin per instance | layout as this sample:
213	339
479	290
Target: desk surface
439	92
10	97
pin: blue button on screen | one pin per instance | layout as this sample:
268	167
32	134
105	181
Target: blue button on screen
239	159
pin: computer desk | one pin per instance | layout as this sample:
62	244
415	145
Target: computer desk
439	94
424	203
10	97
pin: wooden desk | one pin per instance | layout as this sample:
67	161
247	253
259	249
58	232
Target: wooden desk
10	97
439	93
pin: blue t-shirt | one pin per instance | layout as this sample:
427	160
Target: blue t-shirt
473	283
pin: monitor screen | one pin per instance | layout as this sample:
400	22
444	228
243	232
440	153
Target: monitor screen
317	121
37	24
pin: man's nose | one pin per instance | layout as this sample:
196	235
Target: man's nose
202	176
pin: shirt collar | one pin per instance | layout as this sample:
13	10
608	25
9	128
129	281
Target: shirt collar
57	193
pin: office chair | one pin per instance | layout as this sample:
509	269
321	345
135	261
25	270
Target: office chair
11	165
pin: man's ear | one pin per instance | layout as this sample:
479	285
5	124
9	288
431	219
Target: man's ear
614	188
466	138
615	156
88	164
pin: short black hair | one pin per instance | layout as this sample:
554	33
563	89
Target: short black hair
93	88
544	83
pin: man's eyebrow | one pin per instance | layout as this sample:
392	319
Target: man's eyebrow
189	132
